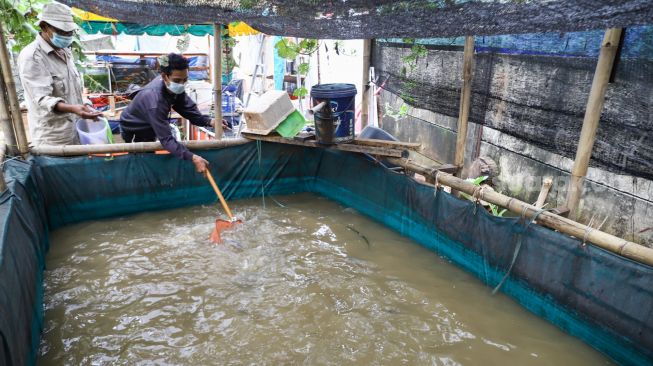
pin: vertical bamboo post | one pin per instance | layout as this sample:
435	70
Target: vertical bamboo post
20	138
5	119
3	183
217	79
593	110
208	43
367	51
465	97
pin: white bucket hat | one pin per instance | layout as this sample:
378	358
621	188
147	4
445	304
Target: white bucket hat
59	16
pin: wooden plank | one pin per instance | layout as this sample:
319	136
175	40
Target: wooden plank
609	48
385	143
372	150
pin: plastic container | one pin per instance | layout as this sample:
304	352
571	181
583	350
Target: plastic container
335	122
268	112
371	132
92	132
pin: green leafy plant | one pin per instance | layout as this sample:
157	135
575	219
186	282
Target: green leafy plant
494	209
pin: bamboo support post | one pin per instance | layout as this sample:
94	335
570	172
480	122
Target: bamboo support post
609	48
465	97
12	98
367	51
3	183
544	192
112	105
5	120
622	247
136	147
217	79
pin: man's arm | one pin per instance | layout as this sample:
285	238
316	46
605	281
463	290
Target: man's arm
187	108
37	83
158	119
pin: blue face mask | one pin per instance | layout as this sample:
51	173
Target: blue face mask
60	41
176	88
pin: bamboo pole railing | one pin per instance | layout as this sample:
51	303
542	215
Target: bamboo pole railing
622	247
136	147
12	98
595	101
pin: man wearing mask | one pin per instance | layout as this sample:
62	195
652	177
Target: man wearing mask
147	116
52	84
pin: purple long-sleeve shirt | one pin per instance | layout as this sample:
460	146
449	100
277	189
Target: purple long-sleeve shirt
150	110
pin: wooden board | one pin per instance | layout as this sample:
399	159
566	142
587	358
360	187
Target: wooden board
386	143
372	150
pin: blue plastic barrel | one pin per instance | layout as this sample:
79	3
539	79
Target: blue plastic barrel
335	122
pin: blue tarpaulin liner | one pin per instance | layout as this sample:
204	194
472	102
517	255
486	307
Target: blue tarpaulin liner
600	297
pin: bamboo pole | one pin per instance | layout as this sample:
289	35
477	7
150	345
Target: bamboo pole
136	147
217	79
5	120
367	51
609	48
3	183
12	98
625	248
465	97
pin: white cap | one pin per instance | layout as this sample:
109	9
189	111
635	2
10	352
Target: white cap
59	16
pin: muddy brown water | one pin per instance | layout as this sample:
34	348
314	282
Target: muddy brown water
311	283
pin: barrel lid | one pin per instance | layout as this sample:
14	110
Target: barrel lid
336	90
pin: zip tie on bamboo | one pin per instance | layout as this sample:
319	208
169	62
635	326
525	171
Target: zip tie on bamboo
135	147
609	242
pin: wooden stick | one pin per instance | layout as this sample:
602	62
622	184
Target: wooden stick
544	192
136	147
625	248
465	97
385	143
380	151
219	194
367	51
217	79
112	105
12	98
609	48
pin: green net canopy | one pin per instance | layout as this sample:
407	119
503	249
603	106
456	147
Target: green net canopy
355	19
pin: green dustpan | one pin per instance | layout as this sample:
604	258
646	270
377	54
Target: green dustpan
291	126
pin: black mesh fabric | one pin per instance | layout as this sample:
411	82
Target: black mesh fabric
359	19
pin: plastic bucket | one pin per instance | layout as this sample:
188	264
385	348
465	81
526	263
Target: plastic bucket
92	132
335	122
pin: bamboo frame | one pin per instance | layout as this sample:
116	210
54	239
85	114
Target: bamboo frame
217	80
367	51
136	147
465	97
609	48
12	98
622	247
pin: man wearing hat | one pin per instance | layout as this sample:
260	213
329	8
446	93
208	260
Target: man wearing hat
53	87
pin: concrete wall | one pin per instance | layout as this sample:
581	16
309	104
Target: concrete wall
520	99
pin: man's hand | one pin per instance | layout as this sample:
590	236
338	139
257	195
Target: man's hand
86	112
201	165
